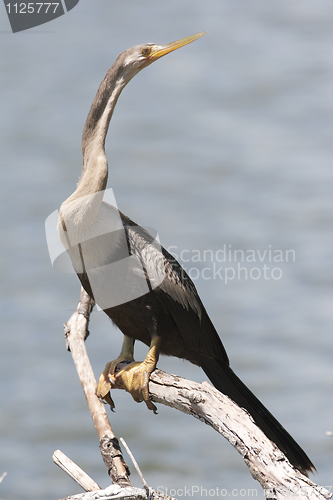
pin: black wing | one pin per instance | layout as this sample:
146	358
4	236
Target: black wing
177	293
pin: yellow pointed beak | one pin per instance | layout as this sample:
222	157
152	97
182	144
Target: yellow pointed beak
162	50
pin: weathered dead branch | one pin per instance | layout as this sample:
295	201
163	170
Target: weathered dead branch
266	462
74	471
76	331
115	492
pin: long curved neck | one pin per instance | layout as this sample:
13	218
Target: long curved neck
95	167
80	211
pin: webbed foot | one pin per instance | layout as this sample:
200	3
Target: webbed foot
134	378
104	382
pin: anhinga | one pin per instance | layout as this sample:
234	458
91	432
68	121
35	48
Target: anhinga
114	257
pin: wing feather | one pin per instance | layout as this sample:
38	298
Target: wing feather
177	293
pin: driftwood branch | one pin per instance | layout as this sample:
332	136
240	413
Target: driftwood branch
74	471
115	492
112	492
76	331
266	462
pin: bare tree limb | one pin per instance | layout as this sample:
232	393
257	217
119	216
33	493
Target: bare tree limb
115	492
265	460
76	331
74	471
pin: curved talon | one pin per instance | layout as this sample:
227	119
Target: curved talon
107	400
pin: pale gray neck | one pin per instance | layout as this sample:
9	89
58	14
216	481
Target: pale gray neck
95	167
99	116
80	211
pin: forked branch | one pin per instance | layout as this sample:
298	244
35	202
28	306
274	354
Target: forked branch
76	331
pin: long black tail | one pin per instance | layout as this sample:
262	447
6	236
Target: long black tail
225	380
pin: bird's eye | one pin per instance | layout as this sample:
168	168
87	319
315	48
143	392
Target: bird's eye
146	51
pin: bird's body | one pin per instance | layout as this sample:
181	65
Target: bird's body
181	336
137	283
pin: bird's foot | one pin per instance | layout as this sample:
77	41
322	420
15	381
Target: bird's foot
134	378
105	380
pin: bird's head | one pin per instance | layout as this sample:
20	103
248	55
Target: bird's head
140	56
126	66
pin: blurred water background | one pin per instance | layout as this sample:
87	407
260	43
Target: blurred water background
227	141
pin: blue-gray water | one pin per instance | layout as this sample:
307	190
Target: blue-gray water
224	142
